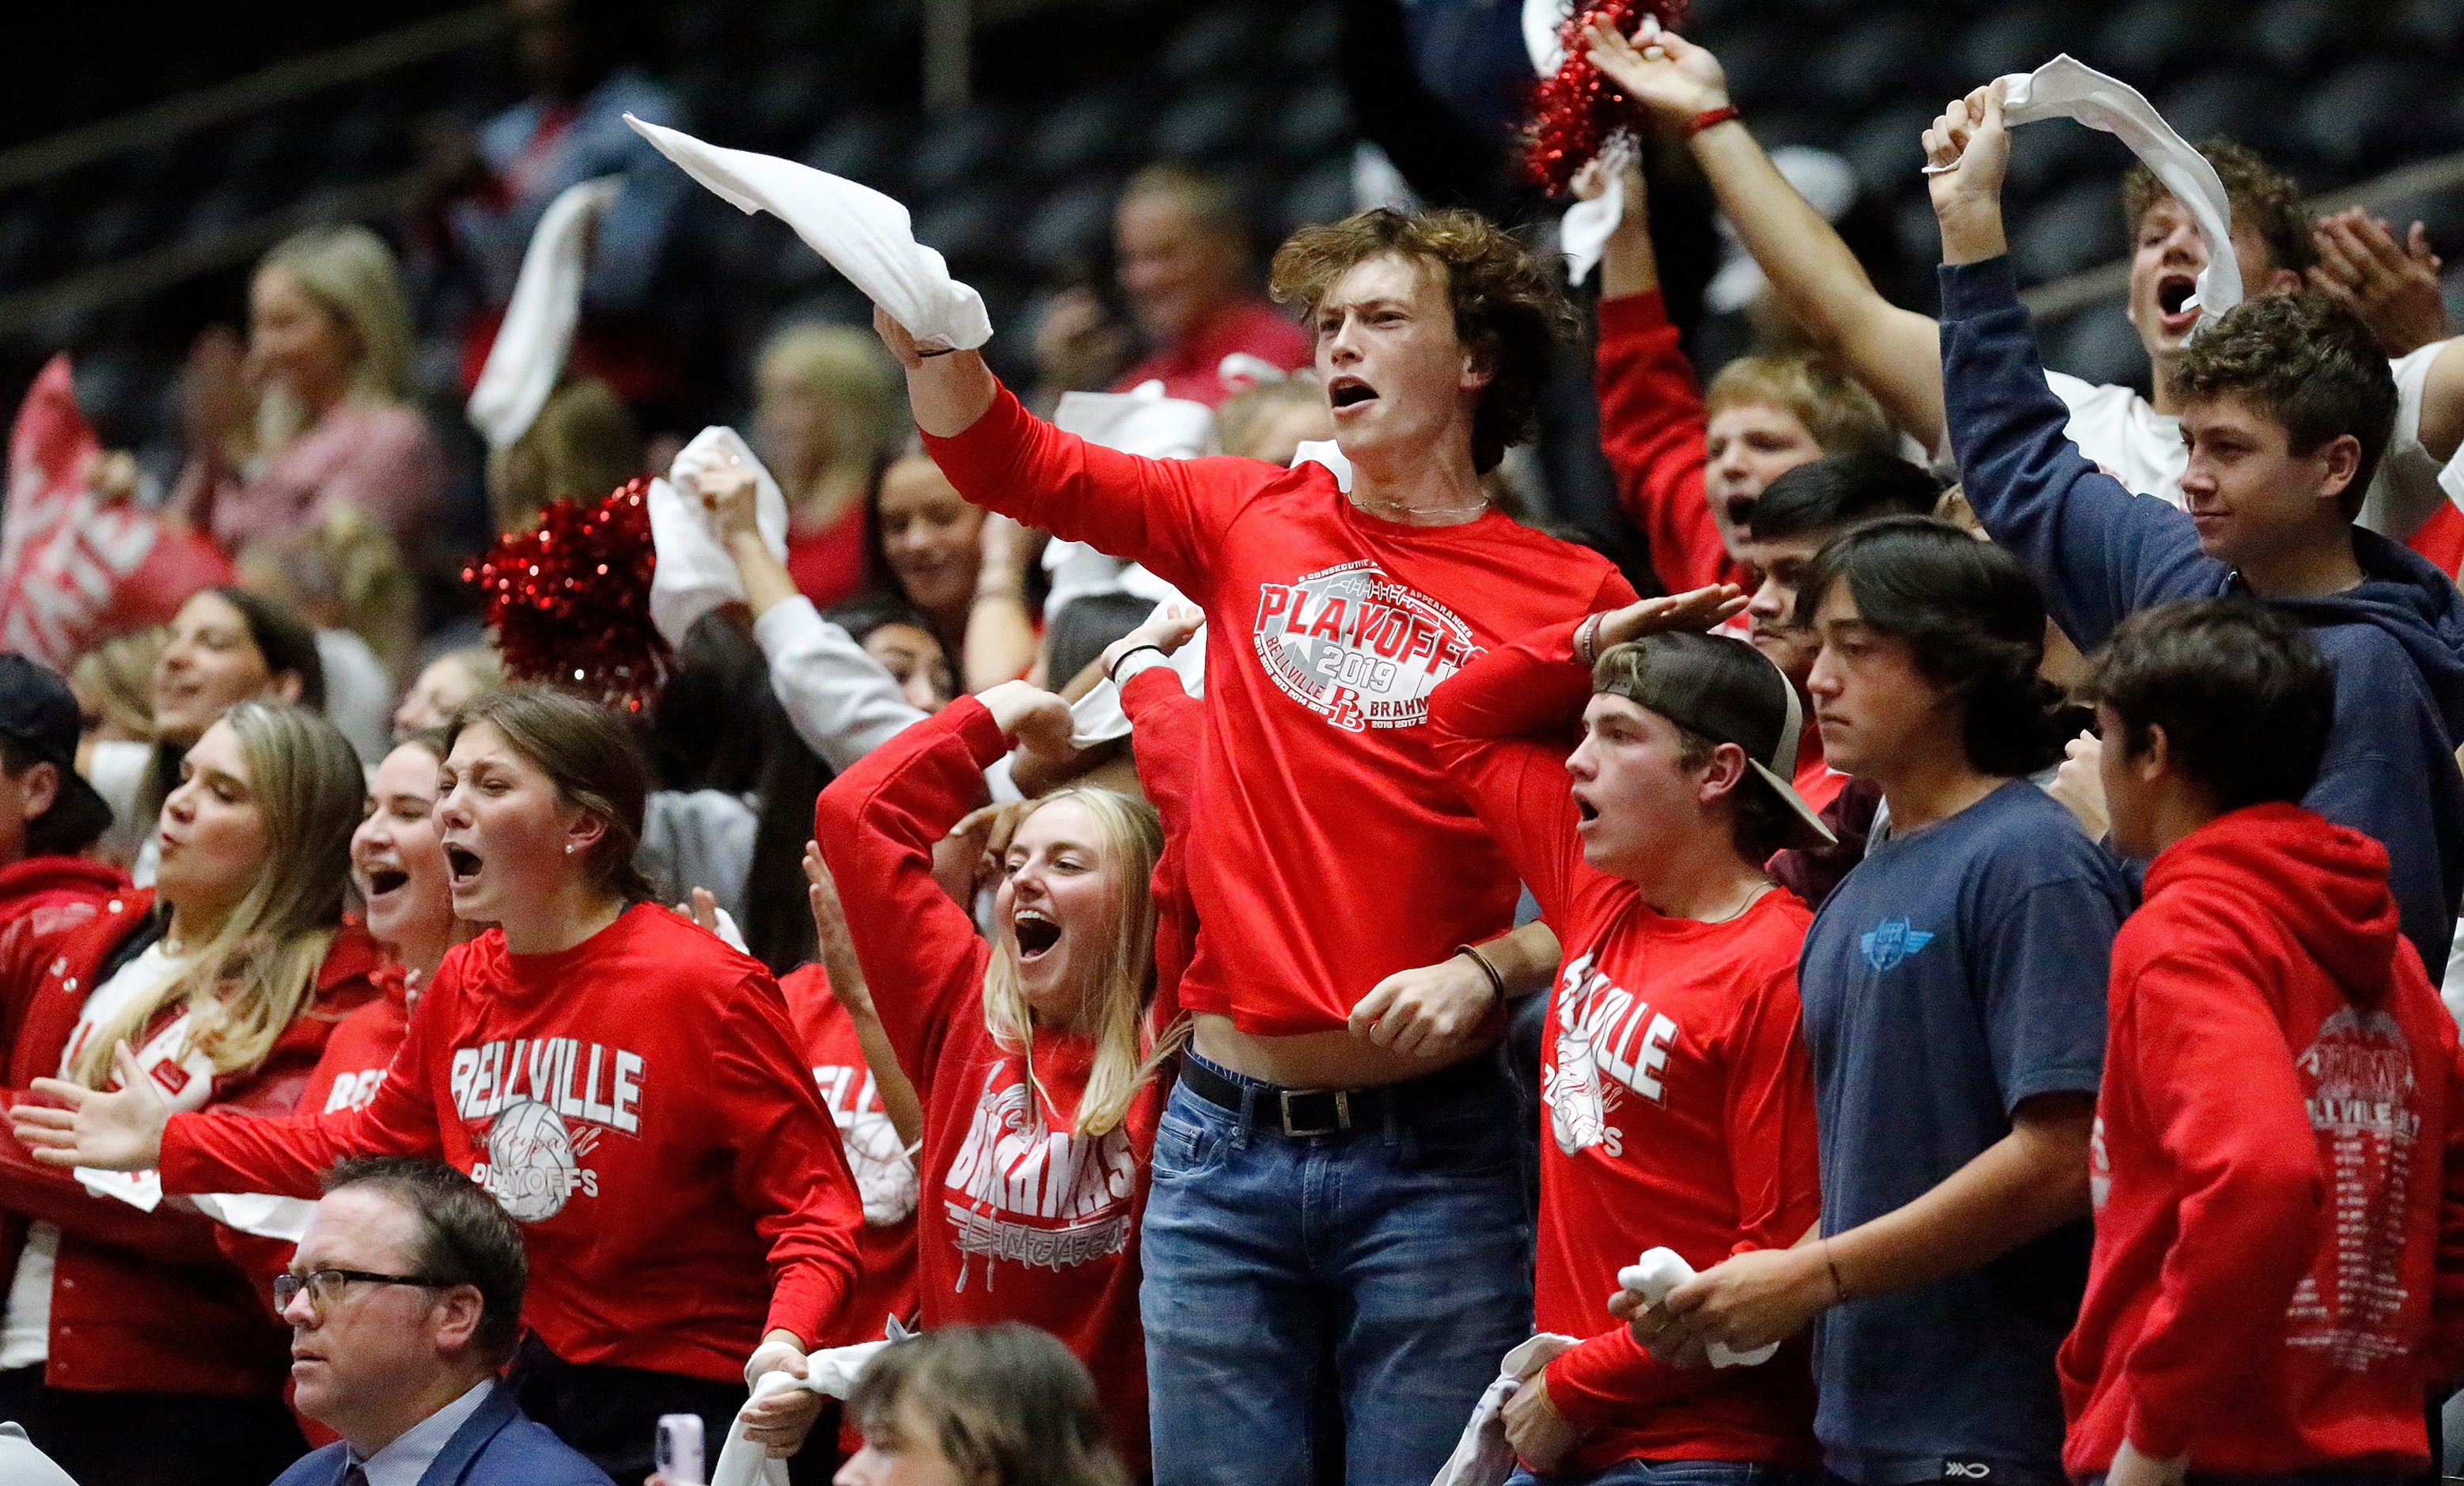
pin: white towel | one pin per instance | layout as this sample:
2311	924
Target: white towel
1662	1270
832	1371
694	573
2067	88
1542	21
1583	231
1482	1457
532	343
863	234
1141	421
250	1212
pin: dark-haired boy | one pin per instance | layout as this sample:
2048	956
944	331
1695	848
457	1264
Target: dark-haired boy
2286	406
2279	1186
49	814
1954	1007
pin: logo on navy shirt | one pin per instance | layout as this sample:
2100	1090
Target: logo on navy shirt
1891	941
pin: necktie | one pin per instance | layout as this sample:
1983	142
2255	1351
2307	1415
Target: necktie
353	1476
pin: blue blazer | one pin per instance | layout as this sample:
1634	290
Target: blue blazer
497	1445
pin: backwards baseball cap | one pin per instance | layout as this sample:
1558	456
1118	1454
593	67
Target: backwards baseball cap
39	713
1723	689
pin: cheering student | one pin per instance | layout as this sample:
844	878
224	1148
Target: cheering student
1034	1054
2286	407
2280	1161
132	1350
1315	1169
624	1084
1690	466
1676	1082
1898	353
1954	1007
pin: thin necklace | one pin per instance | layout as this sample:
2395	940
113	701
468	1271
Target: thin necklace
1397	508
1751	897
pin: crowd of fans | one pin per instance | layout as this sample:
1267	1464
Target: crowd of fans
1975	938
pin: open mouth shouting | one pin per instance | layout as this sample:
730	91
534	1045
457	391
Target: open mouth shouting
464	864
2174	289
1345	393
381	879
1037	936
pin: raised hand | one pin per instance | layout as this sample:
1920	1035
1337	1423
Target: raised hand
1036	719
1667	75
2392	285
1968	152
1165	630
1698	610
114	1130
847	985
728	493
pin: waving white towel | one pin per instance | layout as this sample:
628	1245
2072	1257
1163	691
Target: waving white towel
2067	88
832	1371
863	234
537	331
694	573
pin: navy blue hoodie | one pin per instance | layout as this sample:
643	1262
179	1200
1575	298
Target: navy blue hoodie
2396	641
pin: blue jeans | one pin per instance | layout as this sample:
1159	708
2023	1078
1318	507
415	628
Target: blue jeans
1398	1255
1673	1472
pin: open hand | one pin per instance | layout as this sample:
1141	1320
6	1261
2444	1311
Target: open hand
113	1130
2392	285
1669	76
1698	610
1167	629
847	985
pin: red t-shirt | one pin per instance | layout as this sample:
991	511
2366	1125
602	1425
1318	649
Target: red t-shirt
1679	1095
1652	429
638	1103
1194	369
884	1282
1022	1218
829	563
1333	851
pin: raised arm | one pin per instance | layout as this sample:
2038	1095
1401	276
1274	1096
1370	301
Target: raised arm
854	995
1651	409
1168	513
2100	551
877	825
1811	269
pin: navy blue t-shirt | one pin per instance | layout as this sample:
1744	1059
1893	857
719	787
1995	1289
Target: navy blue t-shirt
1956	972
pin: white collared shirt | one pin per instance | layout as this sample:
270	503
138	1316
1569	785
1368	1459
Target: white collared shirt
408	1459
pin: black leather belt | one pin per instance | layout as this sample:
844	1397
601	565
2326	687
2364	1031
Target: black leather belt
1305	1112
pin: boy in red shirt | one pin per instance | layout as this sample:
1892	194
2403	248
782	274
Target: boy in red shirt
2277	1167
1317	1168
1676	1082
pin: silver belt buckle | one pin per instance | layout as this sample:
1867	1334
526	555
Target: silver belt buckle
1342	1113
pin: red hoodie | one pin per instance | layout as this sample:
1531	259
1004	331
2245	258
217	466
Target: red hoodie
61	892
2278	1177
1023	1217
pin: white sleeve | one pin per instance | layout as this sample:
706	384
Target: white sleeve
2407	485
841	701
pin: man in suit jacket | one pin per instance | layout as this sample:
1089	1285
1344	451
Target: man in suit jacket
404	1300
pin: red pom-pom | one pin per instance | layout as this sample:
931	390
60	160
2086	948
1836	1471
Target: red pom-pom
571	600
1574	112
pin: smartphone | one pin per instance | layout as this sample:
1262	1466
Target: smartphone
678	1451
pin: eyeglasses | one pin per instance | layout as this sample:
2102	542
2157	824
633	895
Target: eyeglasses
324	1284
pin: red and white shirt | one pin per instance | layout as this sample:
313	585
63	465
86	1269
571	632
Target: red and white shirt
638	1103
885	1176
1024	1218
1334	851
1678	1092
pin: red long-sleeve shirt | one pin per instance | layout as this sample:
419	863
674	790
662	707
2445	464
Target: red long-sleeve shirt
1652	428
884	1282
1680	1099
1022	1218
638	1103
1333	851
2278	1167
1167	740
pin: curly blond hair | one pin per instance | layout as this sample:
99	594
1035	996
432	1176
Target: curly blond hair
1508	307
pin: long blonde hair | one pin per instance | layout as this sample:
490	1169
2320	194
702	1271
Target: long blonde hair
1127	1048
350	272
244	986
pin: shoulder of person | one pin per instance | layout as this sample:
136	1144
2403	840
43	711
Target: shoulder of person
319	1467
527	1451
2024	839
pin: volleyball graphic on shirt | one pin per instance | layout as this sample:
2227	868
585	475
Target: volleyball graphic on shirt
1357	648
531	1167
2358	1082
1577	1115
884	1178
